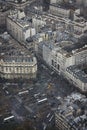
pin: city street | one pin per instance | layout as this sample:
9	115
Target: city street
37	98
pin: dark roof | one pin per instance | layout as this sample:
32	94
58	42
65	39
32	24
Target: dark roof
18	59
74	47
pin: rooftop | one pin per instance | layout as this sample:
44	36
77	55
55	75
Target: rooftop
4	8
10	48
75	47
20	18
73	110
18	59
78	73
64	6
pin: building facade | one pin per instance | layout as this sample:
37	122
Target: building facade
38	22
59	11
61	123
18	67
80	25
19	26
77	77
60	56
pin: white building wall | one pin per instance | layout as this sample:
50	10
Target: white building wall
53	1
37	22
15	30
16	69
81	57
18	31
59	11
27	34
70	61
76	81
33	31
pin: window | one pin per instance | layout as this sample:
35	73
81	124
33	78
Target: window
52	62
58	66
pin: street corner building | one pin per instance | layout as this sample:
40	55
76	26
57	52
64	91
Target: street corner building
18	67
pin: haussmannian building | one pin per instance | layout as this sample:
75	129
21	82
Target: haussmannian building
60	56
18	67
59	11
77	76
19	26
70	114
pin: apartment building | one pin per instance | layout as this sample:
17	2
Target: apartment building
19	26
38	22
70	114
80	25
60	55
77	77
59	11
18	67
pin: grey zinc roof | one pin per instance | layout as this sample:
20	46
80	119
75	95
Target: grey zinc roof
67	111
73	47
78	73
18	59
